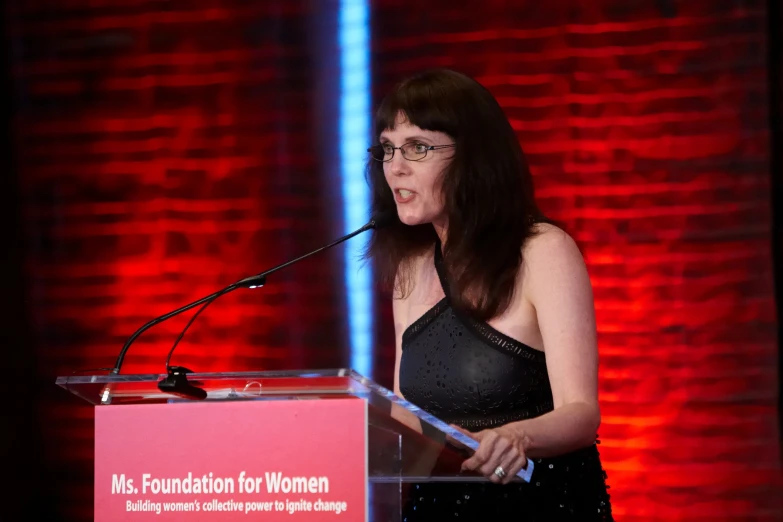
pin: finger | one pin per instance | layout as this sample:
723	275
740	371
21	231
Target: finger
514	467
474	462
499	450
501	462
502	452
474	436
459	444
482	454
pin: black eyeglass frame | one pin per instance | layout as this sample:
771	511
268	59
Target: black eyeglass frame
400	148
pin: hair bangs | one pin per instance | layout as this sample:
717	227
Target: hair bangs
422	104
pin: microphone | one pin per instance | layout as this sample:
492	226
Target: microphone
377	222
176	380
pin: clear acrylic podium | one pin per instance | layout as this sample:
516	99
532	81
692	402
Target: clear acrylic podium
405	444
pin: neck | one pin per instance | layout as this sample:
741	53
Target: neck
440	229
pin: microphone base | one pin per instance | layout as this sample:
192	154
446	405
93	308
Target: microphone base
176	383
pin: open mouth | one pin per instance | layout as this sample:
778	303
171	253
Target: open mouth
403	195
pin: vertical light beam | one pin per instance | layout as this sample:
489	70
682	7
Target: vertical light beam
354	41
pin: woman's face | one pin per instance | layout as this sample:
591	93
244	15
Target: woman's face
416	185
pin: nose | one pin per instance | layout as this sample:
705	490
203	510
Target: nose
398	166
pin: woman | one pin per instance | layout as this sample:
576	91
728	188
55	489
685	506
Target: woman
493	308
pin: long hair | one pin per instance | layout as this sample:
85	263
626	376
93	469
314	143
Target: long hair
487	192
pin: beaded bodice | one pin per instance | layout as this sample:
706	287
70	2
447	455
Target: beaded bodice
467	373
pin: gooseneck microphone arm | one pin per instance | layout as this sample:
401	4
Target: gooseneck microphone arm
249	282
157	320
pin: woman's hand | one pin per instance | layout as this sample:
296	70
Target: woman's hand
500	455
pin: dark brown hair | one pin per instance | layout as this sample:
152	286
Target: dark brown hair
487	192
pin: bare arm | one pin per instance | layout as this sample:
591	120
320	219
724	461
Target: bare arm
559	289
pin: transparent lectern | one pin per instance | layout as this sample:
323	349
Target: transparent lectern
405	445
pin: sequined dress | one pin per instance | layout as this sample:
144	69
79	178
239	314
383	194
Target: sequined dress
467	373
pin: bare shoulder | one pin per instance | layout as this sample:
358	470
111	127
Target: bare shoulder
549	256
550	239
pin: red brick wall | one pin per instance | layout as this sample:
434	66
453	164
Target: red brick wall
645	124
167	152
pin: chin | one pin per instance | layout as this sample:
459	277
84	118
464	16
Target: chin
411	219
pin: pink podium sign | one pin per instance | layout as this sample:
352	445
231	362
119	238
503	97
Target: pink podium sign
291	461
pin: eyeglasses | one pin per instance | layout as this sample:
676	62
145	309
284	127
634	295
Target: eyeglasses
411	151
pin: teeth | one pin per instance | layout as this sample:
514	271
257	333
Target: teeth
404	193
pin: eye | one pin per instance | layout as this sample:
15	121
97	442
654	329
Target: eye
387	148
419	148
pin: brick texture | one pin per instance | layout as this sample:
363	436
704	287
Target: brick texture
167	149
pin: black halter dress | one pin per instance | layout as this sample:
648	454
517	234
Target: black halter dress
467	373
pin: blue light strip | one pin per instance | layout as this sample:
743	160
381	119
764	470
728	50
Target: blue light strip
354	40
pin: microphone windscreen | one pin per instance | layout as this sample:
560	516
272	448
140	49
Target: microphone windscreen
382	219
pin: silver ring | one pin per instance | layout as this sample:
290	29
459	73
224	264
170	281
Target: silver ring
500	472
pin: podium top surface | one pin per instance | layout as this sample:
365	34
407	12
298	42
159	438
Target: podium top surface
146	388
124	388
